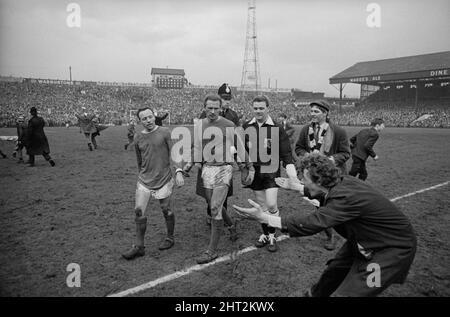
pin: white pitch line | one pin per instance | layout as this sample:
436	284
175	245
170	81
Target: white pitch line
229	256
187	271
420	191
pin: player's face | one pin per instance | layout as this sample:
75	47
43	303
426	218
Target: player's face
212	109
147	119
380	127
260	111
314	189
317	115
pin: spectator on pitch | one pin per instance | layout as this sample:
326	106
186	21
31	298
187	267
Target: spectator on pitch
217	169
376	254
22	128
322	136
98	128
225	94
159	119
362	147
87	126
263	185
37	143
131	131
153	151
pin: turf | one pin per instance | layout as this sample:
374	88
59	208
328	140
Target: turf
81	211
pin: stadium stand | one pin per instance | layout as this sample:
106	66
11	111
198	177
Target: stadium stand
409	91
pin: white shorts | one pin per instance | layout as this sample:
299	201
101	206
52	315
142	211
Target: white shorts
214	176
161	193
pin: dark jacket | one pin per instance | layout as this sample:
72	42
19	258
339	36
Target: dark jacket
231	115
284	147
371	223
37	140
363	142
340	148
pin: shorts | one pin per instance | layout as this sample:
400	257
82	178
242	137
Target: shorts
160	193
264	181
215	176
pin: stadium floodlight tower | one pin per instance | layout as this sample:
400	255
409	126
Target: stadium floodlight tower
251	79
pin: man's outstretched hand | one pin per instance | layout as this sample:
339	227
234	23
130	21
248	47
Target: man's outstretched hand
290	184
253	213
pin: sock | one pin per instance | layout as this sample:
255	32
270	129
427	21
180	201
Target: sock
265	228
226	218
141	227
170	225
271	230
216	228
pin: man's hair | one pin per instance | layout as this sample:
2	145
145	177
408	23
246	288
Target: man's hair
283	116
321	169
376	121
261	98
212	97
143	109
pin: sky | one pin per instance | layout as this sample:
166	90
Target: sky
301	43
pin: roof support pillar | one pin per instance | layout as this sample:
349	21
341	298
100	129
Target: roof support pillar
417	94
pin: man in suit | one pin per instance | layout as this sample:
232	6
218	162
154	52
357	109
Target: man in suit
324	137
37	140
380	240
362	147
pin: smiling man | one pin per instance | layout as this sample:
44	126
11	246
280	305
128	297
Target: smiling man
153	148
325	137
381	242
269	137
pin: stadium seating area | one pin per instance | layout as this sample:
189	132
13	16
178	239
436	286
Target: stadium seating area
58	104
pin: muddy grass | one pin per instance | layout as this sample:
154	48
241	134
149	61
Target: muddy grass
81	211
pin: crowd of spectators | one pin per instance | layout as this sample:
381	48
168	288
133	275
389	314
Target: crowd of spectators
58	104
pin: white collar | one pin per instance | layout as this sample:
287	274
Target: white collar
268	121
